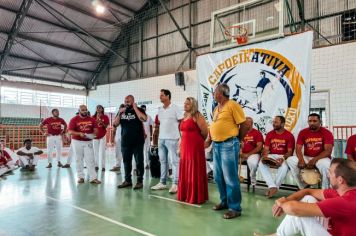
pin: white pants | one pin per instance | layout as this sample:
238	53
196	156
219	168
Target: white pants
252	162
267	175
70	154
54	141
84	150
99	151
146	150
323	166
306	226
118	153
25	161
11	166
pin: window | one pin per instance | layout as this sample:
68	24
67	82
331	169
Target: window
40	98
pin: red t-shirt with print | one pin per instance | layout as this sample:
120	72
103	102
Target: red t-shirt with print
251	139
101	128
82	124
314	141
279	143
54	125
351	146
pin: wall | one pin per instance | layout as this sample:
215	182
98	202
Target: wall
333	70
144	90
21	111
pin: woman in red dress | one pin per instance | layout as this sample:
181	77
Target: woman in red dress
193	181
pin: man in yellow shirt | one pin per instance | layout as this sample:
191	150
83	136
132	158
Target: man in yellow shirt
227	128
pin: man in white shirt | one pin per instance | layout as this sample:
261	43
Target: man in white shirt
29	155
148	131
169	117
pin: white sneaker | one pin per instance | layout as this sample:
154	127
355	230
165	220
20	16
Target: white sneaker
159	186
173	189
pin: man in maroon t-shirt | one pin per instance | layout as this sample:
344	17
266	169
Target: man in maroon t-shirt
279	145
251	149
322	212
351	148
56	127
318	144
84	129
100	140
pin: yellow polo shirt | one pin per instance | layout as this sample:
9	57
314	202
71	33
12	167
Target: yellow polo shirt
226	122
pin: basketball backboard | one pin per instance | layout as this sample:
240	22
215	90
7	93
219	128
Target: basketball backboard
256	20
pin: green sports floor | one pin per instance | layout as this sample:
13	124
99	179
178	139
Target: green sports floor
50	202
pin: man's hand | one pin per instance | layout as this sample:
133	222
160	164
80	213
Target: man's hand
243	156
122	110
280	161
277	210
30	155
134	105
311	163
82	135
301	164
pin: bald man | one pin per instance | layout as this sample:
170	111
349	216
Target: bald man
130	118
83	130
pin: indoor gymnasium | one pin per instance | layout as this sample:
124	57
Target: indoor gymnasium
177	117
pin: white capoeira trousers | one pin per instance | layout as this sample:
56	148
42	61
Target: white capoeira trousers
267	175
306	226
83	150
118	153
146	151
11	166
25	160
99	151
323	166
70	154
252	162
54	141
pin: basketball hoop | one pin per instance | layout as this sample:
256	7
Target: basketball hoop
240	33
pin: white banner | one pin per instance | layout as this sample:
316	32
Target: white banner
266	79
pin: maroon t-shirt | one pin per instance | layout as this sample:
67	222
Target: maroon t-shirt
54	125
341	211
351	146
314	141
279	143
251	139
101	129
85	125
4	158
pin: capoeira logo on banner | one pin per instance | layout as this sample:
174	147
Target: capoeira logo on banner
262	81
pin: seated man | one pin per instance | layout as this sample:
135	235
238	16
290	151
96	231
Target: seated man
307	210
29	155
6	162
351	148
318	143
13	155
279	145
251	149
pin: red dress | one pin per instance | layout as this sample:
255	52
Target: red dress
193	181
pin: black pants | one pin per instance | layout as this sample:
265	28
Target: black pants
136	150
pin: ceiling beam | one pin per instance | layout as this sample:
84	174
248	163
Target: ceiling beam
132	11
41	78
50	64
29	38
69	29
81	10
20	16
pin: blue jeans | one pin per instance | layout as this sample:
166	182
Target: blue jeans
167	151
226	159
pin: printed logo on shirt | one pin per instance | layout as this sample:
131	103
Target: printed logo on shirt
248	139
278	144
128	116
85	125
56	125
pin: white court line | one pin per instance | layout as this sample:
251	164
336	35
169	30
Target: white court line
104	218
172	200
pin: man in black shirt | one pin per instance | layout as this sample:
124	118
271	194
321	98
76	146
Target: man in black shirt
132	139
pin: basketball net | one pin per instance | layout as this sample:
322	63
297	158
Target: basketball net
239	35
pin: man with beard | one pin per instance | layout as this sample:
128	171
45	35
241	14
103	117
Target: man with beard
84	129
279	145
54	135
132	139
318	144
307	210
